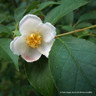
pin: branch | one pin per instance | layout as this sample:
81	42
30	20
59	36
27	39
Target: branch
78	30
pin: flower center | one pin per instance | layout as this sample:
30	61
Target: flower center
34	40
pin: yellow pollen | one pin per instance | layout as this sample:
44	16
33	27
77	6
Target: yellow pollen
34	40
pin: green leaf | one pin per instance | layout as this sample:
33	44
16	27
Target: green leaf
66	7
19	12
6	53
82	25
68	28
87	16
2	18
73	65
39	76
92	39
4	29
17	33
68	19
46	4
31	6
43	6
3	66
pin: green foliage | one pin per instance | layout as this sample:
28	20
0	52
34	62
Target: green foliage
19	12
84	24
43	6
92	39
87	16
7	53
12	82
68	19
4	29
39	76
71	65
68	28
31	6
17	33
75	70
62	10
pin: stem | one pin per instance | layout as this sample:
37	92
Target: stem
78	30
75	24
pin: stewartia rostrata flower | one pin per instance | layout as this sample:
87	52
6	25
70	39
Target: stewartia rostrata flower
36	38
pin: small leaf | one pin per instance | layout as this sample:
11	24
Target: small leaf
68	28
39	76
6	53
66	7
73	65
87	16
82	25
17	33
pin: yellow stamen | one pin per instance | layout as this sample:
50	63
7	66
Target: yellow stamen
34	40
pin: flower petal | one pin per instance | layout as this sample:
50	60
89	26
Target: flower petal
31	55
29	24
12	44
45	48
18	45
48	31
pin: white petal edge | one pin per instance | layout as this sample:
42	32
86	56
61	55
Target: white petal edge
31	55
45	48
12	45
48	31
51	26
29	23
18	45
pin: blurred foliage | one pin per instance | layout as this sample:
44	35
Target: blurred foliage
14	83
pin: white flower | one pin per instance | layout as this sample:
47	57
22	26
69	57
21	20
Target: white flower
36	38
